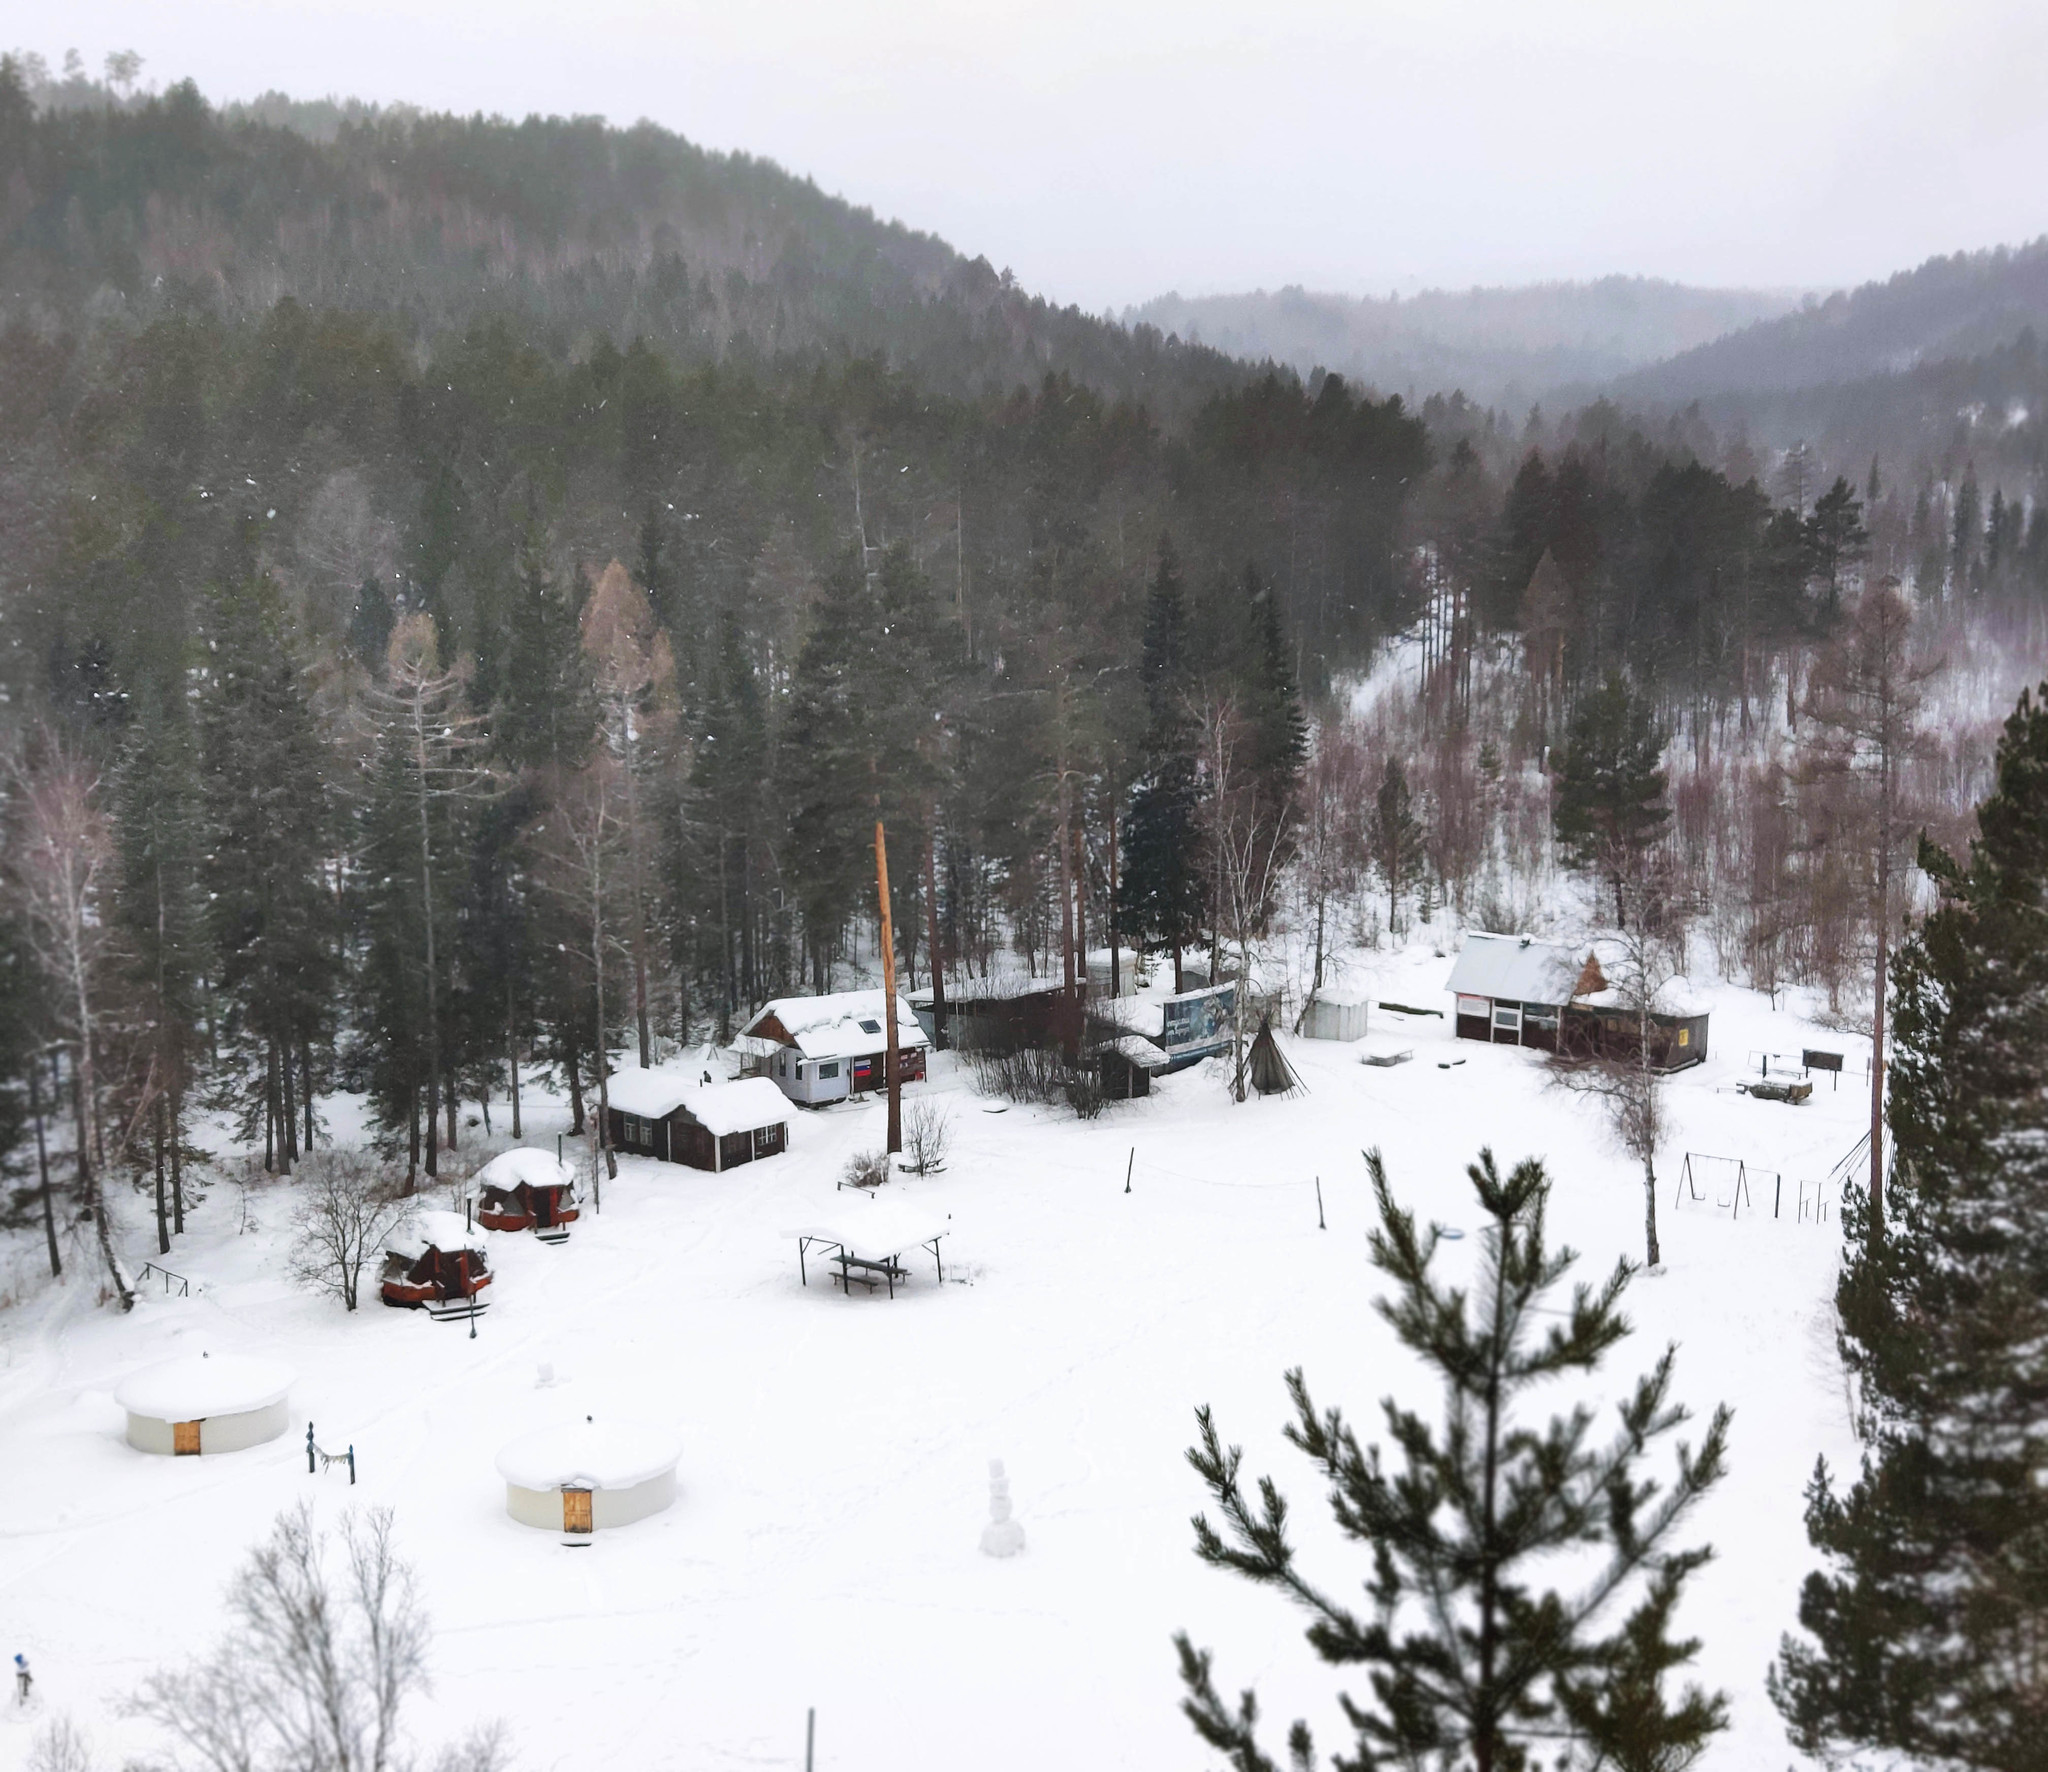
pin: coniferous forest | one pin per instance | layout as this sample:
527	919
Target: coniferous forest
471	588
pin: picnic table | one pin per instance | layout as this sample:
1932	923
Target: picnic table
864	1244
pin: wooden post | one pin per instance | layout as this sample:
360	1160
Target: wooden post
810	1737
1320	1225
889	991
1128	1167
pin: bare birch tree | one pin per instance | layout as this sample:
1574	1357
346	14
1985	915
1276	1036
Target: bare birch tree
631	667
1640	967
1248	841
59	853
318	1664
344	1216
581	838
1865	697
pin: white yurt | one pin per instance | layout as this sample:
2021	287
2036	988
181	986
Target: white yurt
588	1474
1336	1012
205	1403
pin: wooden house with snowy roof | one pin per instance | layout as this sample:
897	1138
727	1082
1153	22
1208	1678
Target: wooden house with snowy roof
664	1115
820	1049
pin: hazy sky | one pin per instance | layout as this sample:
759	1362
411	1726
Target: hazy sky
1109	151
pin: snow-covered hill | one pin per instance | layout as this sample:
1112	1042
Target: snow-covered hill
823	1548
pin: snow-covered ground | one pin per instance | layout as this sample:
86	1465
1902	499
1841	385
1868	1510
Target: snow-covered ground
823	1547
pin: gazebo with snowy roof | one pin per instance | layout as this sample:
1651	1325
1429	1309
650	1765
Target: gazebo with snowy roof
205	1403
826	1048
526	1189
588	1474
434	1258
663	1114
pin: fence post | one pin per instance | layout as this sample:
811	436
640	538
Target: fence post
1778	1196
1128	1167
1320	1225
309	1448
351	1465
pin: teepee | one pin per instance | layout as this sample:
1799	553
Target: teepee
1265	1069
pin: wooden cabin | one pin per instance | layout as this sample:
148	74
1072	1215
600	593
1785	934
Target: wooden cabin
820	1049
434	1259
526	1190
1513	990
1126	1064
717	1126
1007	1013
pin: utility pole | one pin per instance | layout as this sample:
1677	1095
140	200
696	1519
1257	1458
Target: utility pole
889	991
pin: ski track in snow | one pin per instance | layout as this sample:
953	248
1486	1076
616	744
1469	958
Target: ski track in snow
822	1547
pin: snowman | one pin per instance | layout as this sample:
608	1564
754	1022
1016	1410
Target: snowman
1002	1536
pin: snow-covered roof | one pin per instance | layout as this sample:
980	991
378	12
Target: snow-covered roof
196	1387
845	1024
1517	967
527	1166
718	1107
1140	1051
876	1229
430	1229
588	1454
1345	996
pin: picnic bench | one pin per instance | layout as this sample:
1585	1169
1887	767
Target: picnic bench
856	1270
865	1245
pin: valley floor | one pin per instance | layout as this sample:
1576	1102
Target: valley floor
823	1548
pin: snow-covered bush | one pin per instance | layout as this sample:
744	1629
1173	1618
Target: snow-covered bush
865	1169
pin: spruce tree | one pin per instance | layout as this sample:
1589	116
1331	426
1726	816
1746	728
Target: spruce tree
270	837
1610	790
1394	836
1924	1628
1160	891
1472	1660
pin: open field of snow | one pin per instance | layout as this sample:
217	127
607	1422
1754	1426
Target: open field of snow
833	1482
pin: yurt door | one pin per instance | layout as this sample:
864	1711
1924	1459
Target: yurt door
185	1439
575	1510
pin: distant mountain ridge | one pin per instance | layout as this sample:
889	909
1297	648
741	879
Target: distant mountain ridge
1496	344
1965	305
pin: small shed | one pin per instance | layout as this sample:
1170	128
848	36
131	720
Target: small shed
205	1403
588	1474
526	1190
828	1048
1336	1012
1126	1065
434	1258
664	1115
1511	990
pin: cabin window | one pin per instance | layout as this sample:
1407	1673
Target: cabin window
1685	1036
1476	1007
828	1070
871	1027
799	1070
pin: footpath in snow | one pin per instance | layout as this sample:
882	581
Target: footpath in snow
822	1550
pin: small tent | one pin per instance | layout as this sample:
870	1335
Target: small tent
526	1189
434	1258
588	1474
205	1403
1265	1069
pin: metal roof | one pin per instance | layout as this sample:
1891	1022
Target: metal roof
1519	968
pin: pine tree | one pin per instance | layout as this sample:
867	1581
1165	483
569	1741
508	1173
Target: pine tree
1925	1626
1394	837
1470	1659
1160	891
1610	790
159	826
